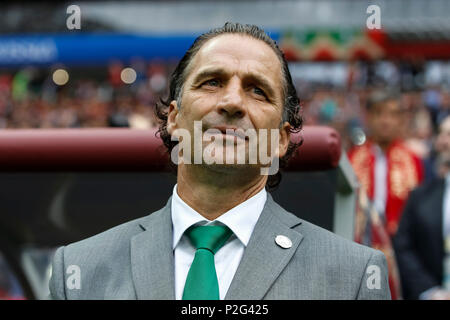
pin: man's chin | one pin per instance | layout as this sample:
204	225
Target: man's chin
232	168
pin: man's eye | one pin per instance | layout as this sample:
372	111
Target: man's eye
212	82
260	92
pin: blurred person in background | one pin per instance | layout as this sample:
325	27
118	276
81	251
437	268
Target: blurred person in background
385	167
420	140
387	171
442	143
444	109
425	229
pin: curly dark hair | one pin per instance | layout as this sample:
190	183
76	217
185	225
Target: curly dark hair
291	111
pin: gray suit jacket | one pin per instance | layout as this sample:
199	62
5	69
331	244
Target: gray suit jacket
135	261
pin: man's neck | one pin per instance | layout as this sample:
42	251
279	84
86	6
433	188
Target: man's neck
213	193
384	145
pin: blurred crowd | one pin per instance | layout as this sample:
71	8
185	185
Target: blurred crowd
29	98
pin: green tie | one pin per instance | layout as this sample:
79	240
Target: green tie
201	282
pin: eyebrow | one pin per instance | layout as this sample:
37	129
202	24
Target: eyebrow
221	73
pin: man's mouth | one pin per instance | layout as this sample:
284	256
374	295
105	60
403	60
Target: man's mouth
232	131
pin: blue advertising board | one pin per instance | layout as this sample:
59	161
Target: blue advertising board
90	49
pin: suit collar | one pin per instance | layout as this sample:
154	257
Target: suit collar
241	219
153	263
263	259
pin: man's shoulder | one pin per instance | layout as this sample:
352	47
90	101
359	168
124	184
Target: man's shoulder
113	241
422	193
323	239
348	266
360	151
320	239
429	186
99	259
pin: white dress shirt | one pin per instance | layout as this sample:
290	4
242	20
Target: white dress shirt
380	187
240	219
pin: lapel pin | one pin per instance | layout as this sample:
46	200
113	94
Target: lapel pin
283	241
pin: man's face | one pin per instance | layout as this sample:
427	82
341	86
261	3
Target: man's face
234	82
442	143
385	121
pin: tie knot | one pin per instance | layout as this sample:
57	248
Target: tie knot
211	238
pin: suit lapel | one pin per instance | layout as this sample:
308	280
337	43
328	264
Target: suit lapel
263	259
152	262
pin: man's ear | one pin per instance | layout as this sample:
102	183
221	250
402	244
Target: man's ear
285	136
172	117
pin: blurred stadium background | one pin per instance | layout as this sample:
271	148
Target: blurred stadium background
112	71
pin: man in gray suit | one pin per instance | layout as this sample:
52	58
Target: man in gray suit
221	235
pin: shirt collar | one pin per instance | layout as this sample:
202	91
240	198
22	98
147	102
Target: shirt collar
379	153
447	179
240	219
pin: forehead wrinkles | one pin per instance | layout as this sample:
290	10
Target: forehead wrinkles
230	66
266	63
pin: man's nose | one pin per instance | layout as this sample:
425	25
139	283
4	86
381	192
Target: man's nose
232	102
